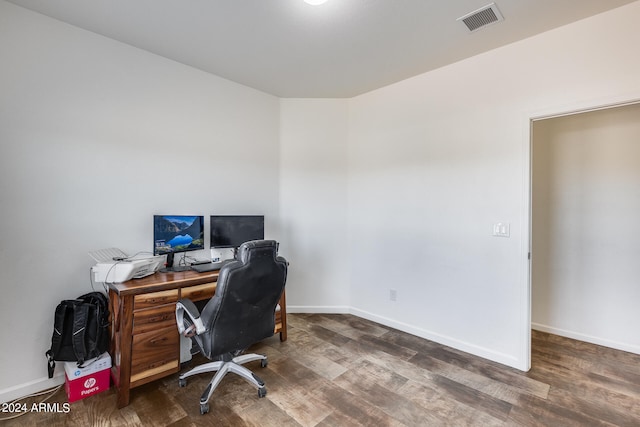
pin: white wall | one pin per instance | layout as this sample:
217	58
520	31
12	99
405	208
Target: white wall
313	196
586	227
96	137
435	160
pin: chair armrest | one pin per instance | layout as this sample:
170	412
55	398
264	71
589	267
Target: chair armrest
188	308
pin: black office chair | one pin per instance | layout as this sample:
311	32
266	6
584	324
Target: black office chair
241	313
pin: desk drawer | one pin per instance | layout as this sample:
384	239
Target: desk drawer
151	319
199	292
154	299
154	352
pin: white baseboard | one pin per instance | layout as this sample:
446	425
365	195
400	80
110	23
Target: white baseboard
631	348
325	309
35	386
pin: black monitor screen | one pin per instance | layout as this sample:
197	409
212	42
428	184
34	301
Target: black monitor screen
230	231
177	233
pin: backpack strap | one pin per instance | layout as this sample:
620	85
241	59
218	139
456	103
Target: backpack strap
96	305
56	338
91	345
80	321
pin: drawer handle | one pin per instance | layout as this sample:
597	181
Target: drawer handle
157	300
158	318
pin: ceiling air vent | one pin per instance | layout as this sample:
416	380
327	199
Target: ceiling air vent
482	17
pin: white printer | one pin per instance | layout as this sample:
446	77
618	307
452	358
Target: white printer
114	266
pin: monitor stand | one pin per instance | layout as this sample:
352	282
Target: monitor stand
170	268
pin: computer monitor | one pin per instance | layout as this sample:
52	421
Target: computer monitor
231	231
177	233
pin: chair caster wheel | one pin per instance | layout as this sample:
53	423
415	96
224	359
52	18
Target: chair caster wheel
204	408
182	382
262	392
264	363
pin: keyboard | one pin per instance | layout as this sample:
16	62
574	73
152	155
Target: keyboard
203	268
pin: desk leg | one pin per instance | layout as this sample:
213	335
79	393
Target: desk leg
283	314
122	363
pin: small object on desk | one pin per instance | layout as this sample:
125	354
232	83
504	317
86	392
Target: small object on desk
210	266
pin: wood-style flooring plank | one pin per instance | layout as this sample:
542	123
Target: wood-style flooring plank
442	409
379	387
349	409
481	383
534	411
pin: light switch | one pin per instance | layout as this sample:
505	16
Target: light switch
501	229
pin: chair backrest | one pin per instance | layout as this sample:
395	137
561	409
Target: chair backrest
242	310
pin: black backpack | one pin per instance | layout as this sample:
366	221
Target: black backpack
80	330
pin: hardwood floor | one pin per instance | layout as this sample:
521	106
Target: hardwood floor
340	370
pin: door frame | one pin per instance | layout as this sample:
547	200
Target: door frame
527	250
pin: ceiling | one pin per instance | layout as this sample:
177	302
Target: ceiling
336	50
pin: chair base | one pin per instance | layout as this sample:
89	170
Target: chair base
221	368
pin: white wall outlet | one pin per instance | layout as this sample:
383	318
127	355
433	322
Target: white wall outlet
393	294
501	229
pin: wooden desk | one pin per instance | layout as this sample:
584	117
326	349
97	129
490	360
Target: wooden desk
145	343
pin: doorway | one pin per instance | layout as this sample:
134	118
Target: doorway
585	226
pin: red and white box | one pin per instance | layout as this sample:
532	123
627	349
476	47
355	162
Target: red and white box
93	378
